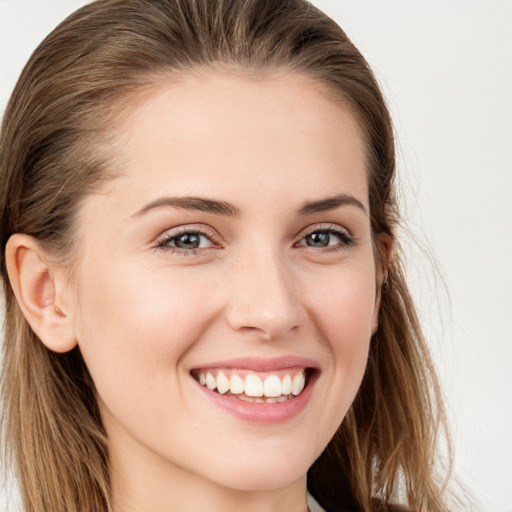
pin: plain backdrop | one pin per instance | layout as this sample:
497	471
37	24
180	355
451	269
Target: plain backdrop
446	69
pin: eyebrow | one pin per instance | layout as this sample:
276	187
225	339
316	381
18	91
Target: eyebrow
330	203
192	203
230	210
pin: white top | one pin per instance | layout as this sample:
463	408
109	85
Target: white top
313	505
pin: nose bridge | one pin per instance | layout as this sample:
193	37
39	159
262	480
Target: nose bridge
264	298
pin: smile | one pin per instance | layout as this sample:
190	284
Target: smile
249	386
258	390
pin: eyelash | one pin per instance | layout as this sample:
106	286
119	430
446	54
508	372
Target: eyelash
163	242
346	240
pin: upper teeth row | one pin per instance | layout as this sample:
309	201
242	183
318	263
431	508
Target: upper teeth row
253	385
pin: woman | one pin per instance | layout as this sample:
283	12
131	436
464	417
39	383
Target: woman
205	303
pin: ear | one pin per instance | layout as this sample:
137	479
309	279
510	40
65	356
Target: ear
383	248
42	292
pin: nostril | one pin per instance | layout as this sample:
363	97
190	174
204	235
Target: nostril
265	323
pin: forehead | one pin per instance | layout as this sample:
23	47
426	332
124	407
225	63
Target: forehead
219	135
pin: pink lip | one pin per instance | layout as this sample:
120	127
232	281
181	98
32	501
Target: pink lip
259	364
266	413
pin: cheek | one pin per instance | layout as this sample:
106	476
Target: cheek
344	317
345	308
134	332
341	310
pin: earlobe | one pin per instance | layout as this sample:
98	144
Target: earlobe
41	291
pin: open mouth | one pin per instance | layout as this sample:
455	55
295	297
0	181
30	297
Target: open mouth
258	387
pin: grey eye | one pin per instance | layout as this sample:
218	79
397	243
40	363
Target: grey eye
320	239
189	240
327	238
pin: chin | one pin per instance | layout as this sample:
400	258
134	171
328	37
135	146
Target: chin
274	472
267	480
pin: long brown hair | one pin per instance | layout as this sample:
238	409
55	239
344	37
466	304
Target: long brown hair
53	153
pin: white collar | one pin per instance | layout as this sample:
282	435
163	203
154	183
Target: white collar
313	505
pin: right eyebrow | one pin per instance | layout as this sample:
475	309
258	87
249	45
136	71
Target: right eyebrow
330	203
202	204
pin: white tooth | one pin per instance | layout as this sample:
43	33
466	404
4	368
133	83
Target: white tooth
222	383
286	385
299	381
259	400
211	383
272	386
281	399
253	385
202	379
237	384
245	398
271	400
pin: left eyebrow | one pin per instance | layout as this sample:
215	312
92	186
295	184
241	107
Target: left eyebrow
330	203
192	203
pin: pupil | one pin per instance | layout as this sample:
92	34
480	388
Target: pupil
318	239
188	241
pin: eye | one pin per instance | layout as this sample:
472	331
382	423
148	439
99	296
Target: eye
326	238
185	241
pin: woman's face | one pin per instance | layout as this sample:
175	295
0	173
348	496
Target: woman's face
233	257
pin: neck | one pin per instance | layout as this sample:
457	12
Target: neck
197	495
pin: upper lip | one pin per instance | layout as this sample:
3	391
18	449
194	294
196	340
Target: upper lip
260	364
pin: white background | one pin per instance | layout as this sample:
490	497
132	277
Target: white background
446	69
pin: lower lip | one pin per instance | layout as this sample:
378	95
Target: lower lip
278	412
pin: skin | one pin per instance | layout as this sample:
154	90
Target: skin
145	314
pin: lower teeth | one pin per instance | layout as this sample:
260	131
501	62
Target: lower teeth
260	400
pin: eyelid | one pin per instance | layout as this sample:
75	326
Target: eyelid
324	227
346	238
171	233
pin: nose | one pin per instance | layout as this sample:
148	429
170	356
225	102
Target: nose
264	299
